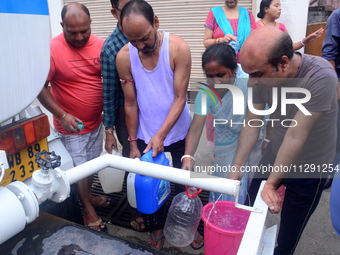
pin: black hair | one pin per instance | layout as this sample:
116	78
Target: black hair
263	5
64	10
138	7
221	53
114	3
282	47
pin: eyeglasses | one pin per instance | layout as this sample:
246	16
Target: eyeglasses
118	9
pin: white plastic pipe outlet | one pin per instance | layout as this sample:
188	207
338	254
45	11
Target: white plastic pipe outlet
198	180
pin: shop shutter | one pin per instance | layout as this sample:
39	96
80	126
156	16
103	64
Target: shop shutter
184	18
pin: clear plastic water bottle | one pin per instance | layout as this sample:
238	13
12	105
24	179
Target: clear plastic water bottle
183	218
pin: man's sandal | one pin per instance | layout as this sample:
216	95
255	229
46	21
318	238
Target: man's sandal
97	224
104	200
156	240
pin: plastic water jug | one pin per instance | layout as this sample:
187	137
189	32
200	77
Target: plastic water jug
112	179
131	193
183	218
130	188
150	192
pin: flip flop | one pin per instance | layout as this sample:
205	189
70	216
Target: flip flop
139	229
157	240
104	200
97	224
198	246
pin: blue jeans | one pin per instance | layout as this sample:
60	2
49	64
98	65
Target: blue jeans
334	203
337	153
301	198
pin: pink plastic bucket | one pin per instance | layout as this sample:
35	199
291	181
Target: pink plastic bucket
225	229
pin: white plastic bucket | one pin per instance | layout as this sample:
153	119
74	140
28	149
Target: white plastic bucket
111	179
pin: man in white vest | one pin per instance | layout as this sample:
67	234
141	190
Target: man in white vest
154	69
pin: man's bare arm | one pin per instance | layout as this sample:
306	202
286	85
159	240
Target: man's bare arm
192	139
289	150
68	121
247	140
269	134
130	103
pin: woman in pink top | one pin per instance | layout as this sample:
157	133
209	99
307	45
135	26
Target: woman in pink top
270	10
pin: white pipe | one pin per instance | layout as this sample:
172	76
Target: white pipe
2	168
11	208
199	180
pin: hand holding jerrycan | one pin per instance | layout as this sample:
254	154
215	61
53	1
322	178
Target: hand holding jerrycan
151	193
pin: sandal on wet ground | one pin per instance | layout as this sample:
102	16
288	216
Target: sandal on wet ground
195	239
156	240
139	223
104	200
97	224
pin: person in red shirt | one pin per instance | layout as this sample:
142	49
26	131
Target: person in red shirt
77	96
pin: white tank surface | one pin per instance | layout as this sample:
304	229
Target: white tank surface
24	52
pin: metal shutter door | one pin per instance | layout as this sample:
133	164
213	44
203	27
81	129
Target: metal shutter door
183	18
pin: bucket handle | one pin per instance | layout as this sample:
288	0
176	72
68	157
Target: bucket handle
244	207
191	195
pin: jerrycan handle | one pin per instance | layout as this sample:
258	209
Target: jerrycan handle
160	159
191	195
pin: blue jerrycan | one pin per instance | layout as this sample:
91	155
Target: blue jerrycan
151	193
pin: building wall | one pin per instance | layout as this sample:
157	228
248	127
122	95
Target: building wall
330	5
183	18
187	18
55	7
317	14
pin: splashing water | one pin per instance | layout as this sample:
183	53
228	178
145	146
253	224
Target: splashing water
228	218
213	207
214	202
